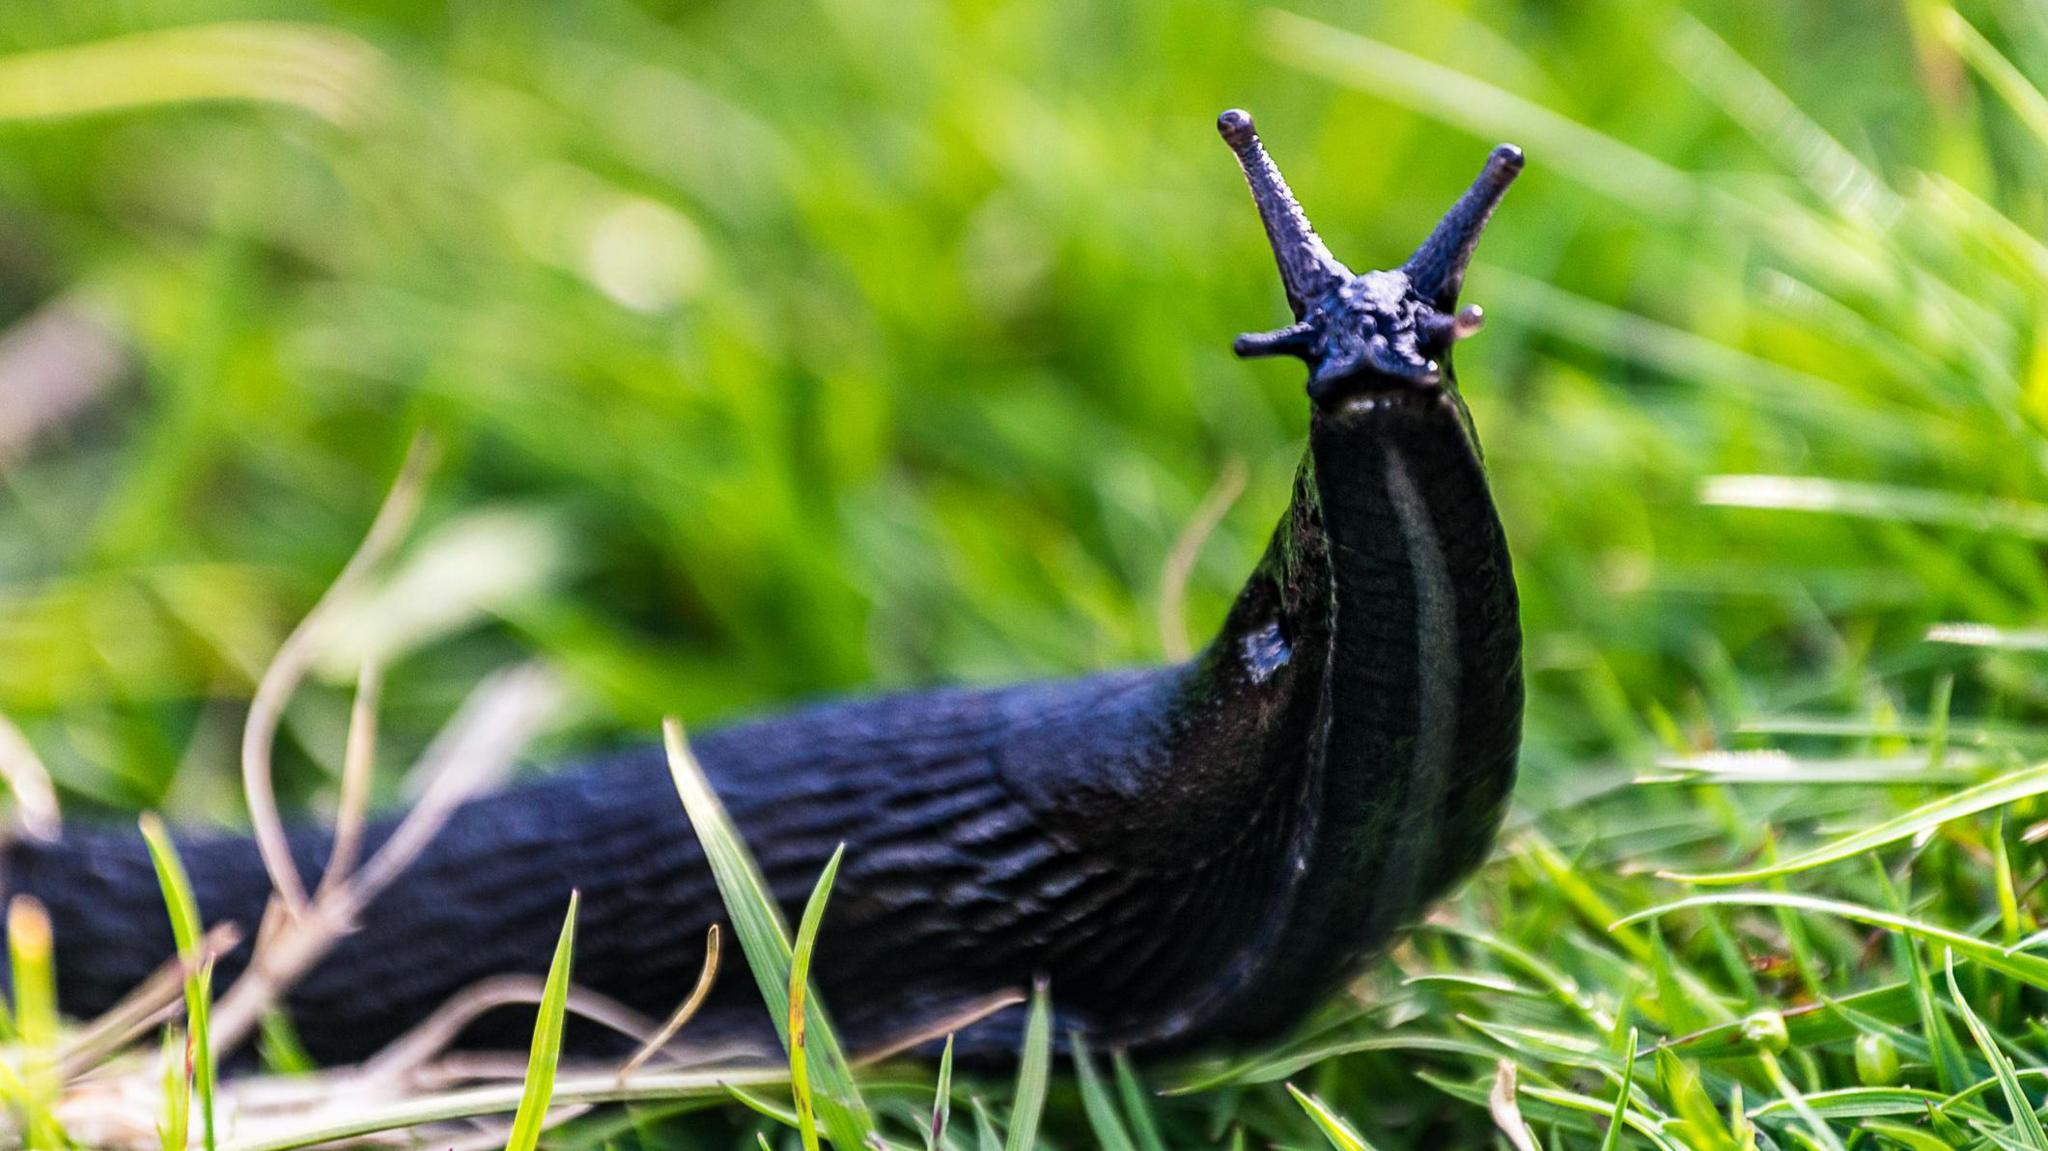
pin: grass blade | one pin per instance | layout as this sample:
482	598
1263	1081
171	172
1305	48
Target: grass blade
174	1132
1992	793
190	936
799	988
1032	1074
35	1015
1340	1134
1137	1105
1619	1120
1108	1125
764	939
2025	1120
546	1052
2024	967
942	1101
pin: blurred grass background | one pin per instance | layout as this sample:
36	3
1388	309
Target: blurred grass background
804	346
789	347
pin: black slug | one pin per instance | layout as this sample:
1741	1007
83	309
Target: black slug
1190	854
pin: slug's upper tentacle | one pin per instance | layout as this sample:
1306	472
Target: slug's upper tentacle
1306	266
1437	269
1380	328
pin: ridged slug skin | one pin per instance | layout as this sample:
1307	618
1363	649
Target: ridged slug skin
1191	854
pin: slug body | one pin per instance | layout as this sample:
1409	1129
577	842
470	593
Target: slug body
1190	854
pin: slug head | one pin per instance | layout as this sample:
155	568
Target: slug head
1380	330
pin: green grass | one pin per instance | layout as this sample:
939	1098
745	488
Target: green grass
754	380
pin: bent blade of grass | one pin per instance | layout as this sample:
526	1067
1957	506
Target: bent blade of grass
1270	1067
799	988
2025	1120
1033	1074
707	977
2027	968
762	1105
1341	1135
326	72
295	658
186	930
1103	1119
2010	788
541	1061
764	939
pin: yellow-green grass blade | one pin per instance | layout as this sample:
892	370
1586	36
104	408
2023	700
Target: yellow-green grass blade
174	1131
1341	1135
1992	793
187	930
29	951
765	940
320	70
799	988
546	1052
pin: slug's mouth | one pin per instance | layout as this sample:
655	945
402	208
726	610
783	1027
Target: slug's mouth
1377	333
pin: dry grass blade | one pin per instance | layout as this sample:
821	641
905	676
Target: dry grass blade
1187	548
706	977
55	365
35	797
359	758
149	1004
476	748
433	1035
968	1014
342	1117
295	658
1507	1114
